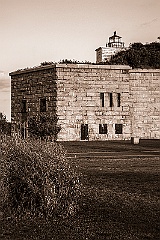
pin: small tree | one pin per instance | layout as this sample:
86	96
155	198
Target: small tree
43	126
139	56
5	127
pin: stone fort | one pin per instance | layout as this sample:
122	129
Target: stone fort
91	101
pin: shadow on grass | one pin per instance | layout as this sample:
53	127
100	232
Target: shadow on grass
113	206
114	145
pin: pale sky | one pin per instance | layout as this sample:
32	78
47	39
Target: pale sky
34	31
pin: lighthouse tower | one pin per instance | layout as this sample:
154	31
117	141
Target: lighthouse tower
115	41
114	45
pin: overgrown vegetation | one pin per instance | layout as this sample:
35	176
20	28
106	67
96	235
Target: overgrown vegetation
69	61
66	61
139	56
63	61
43	126
5	126
36	180
120	200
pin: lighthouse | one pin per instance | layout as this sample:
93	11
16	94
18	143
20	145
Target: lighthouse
115	44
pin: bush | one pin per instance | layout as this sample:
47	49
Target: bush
139	55
37	179
43	126
5	127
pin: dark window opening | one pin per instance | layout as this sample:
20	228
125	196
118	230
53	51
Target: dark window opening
102	99
24	106
118	128
118	99
43	105
84	132
110	99
102	128
125	71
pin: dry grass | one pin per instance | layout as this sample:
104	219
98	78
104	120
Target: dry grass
120	200
36	179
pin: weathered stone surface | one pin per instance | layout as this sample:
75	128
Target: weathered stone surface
72	92
145	104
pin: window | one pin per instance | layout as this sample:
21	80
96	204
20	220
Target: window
24	106
42	105
118	128
125	71
102	128
110	99
118	99
102	99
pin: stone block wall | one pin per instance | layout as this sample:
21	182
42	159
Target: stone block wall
31	86
78	101
79	96
145	100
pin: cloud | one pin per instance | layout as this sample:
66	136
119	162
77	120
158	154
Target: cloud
149	23
4	75
4	86
5	82
5	90
5	102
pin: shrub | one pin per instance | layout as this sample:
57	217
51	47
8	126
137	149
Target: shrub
37	179
5	127
139	55
43	126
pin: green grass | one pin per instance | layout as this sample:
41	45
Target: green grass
120	200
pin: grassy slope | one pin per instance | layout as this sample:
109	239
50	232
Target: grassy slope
120	196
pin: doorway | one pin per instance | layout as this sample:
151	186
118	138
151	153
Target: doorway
84	132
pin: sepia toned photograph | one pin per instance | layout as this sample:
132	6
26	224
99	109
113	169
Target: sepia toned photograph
79	120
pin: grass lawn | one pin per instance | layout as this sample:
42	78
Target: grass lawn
120	200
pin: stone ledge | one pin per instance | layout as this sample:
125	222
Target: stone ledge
76	66
139	70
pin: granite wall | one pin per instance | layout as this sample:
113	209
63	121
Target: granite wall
29	87
79	100
145	103
79	95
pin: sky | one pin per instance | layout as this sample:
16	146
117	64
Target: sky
34	31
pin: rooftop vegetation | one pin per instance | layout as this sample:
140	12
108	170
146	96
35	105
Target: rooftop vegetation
139	55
